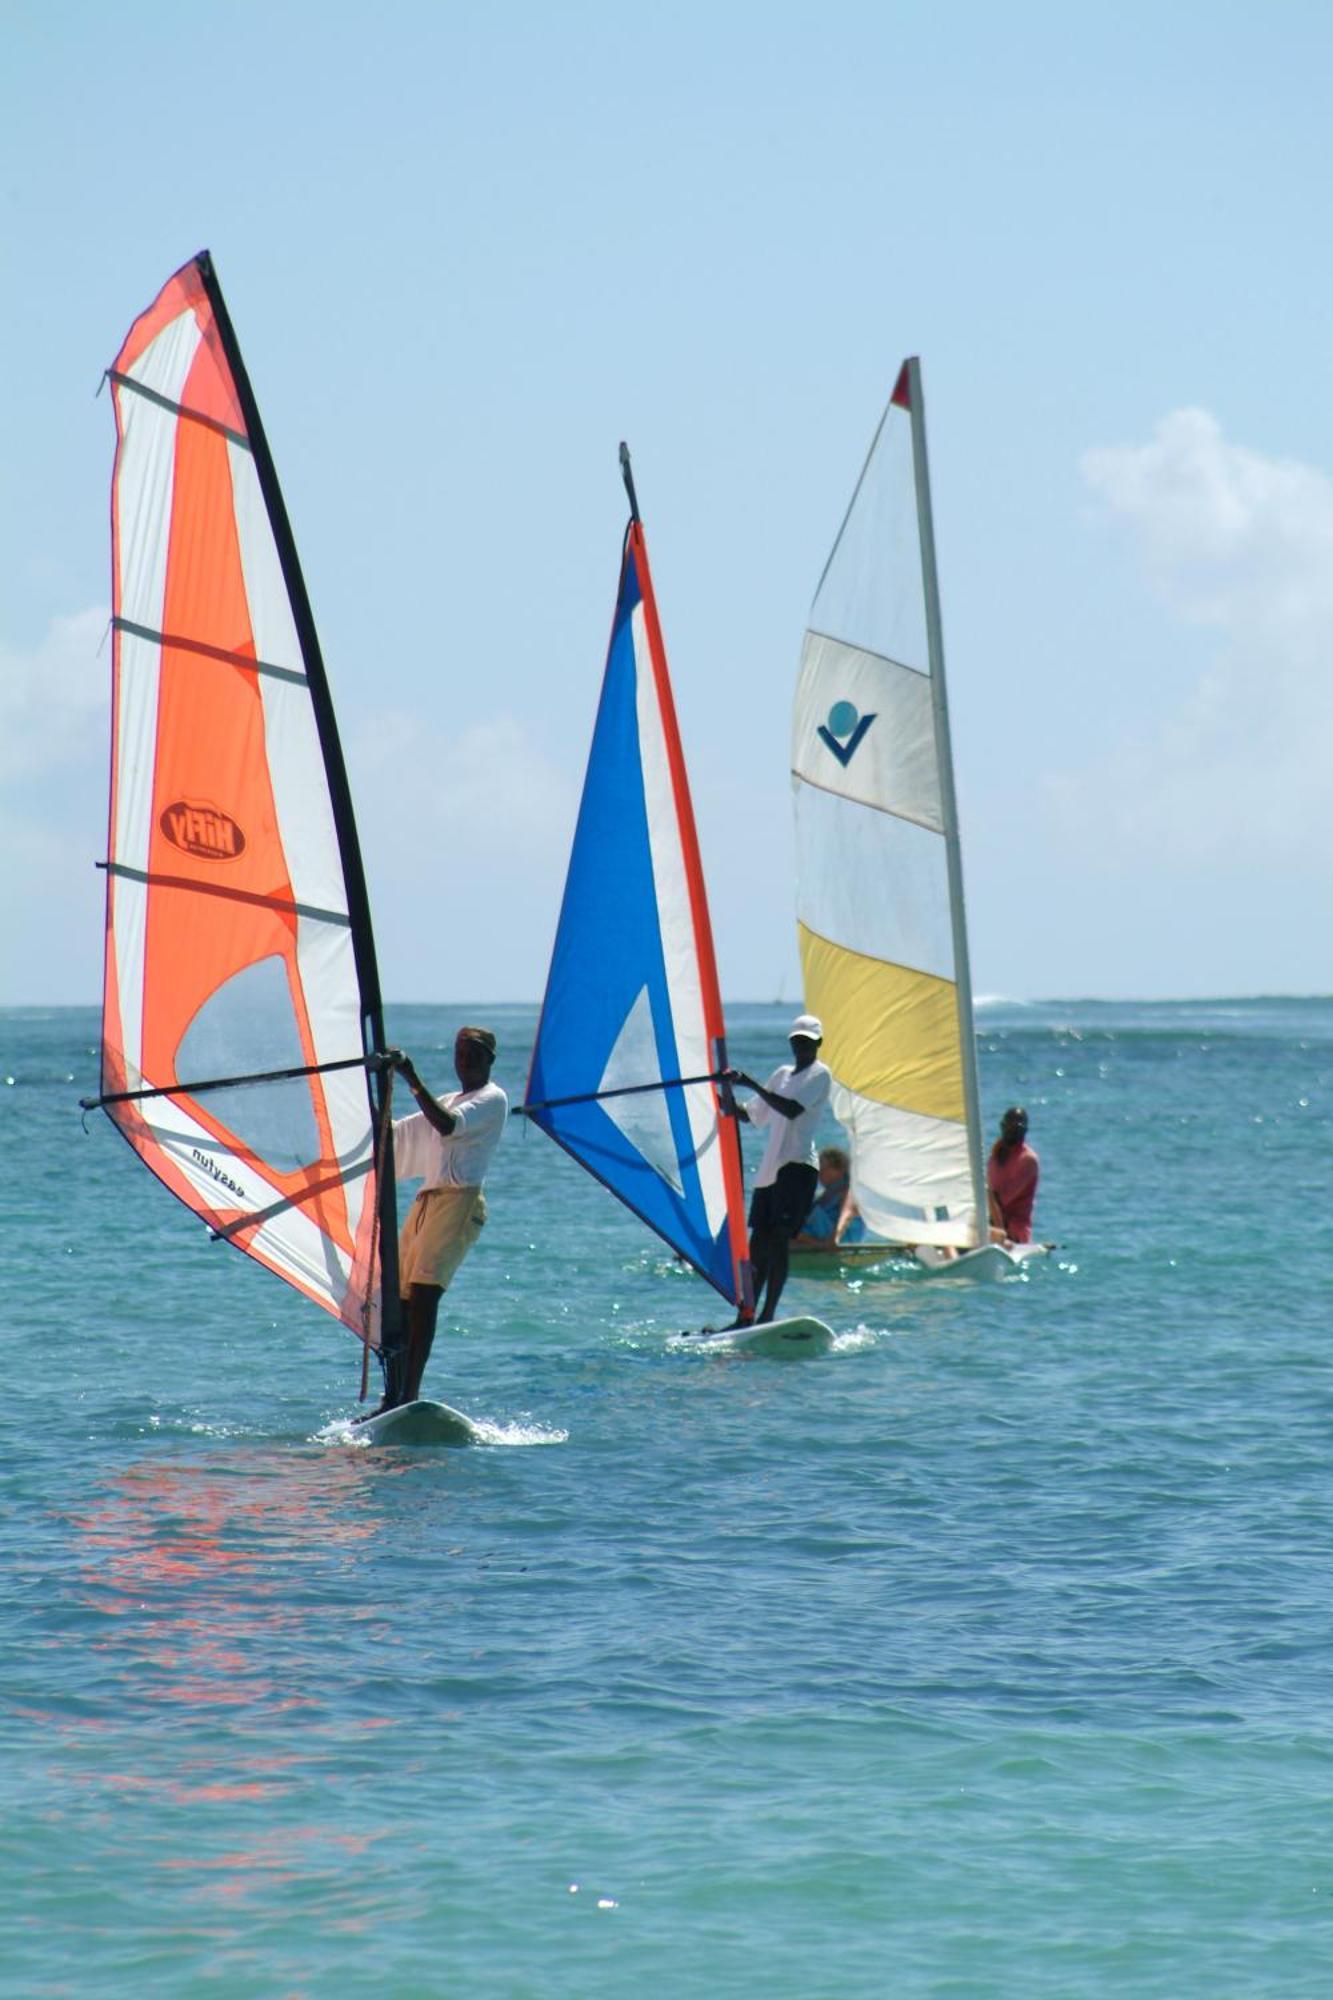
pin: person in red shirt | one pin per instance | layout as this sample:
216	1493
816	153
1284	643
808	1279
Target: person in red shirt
1011	1180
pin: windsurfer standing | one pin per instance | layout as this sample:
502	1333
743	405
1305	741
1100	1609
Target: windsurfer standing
449	1142
789	1104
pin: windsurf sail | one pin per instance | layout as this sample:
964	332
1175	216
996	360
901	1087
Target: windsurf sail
241	1023
879	886
631	1035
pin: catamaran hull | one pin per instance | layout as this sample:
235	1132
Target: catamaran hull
989	1263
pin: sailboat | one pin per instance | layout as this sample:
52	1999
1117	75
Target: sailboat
879	881
243	1050
627	1069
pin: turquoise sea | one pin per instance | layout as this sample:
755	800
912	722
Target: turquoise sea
987	1656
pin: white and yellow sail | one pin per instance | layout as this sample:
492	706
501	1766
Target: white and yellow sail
879	892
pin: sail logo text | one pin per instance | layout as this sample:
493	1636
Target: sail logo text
215	1172
203	831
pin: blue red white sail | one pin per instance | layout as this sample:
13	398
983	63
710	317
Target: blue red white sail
632	998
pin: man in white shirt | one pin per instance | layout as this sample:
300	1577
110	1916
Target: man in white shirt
449	1142
789	1105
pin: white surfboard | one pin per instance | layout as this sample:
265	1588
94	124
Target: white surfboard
420	1423
783	1339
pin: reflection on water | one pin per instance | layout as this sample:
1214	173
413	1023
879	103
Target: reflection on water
211	1602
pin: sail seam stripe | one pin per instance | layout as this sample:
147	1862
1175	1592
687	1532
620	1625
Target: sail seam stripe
178	409
890	812
210	652
263	1215
152	880
887	659
913	971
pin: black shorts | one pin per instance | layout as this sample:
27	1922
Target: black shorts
787	1202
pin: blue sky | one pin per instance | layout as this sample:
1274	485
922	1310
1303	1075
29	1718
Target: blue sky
468	250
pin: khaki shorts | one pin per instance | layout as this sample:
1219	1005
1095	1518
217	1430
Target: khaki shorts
441	1227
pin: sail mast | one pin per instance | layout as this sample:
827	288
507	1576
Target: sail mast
948	799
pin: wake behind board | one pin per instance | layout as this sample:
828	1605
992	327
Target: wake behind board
782	1339
420	1423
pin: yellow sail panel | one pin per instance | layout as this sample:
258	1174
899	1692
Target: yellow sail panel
890	1034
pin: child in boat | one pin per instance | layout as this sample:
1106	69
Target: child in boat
833	1219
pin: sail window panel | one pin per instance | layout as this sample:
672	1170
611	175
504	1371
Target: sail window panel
864	727
680	947
872	594
876	884
889	1033
644	1118
245	1027
911	1176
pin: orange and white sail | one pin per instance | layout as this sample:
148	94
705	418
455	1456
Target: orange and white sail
879	876
241	1017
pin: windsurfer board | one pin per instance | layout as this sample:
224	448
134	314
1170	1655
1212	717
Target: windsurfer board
785	1339
420	1423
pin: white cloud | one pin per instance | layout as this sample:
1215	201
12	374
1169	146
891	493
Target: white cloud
486	788
467	838
53	698
1238	771
53	793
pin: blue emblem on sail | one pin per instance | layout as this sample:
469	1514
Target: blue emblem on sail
843	731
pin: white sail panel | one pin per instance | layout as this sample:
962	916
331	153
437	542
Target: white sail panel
325	953
911	1176
870	594
864	728
694	1038
845	853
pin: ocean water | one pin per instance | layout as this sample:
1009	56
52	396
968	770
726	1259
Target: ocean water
987	1656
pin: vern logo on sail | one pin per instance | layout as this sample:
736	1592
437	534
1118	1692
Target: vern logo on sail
203	831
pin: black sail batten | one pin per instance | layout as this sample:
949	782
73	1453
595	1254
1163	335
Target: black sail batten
379	1082
224	1082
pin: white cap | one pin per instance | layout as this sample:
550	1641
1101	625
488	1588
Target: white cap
808	1026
